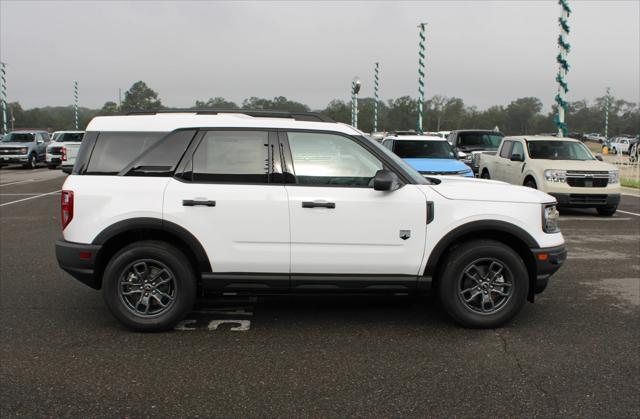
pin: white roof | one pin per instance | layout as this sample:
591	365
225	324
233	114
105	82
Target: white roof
541	138
166	122
415	137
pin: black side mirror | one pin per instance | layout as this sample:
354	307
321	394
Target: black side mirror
385	180
517	157
599	157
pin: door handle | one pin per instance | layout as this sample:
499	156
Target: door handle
318	204
194	202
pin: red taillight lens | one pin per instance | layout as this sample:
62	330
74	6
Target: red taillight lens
66	208
63	152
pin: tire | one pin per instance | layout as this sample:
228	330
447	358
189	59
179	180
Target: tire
485	174
144	260
614	151
607	211
530	183
454	282
31	162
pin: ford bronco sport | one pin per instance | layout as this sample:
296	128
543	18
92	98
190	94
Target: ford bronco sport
164	206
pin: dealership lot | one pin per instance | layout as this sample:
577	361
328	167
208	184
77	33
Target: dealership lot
574	352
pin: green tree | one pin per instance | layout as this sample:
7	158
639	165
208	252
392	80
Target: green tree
140	98
338	110
109	108
521	114
402	114
215	103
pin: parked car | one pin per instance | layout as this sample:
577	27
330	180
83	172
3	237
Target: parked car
594	136
58	150
163	207
428	155
473	143
563	168
619	145
24	147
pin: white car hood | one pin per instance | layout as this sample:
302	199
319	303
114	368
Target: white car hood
471	189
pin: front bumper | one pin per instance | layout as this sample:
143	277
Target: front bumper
586	200
20	158
78	259
548	261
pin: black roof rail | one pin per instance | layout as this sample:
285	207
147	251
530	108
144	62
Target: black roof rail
298	116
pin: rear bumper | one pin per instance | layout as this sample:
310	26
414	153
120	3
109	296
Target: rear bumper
549	260
581	200
78	259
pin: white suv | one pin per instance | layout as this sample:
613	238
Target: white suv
162	207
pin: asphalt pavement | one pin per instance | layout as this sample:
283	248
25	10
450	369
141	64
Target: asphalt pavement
575	352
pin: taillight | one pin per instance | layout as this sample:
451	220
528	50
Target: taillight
63	151
66	208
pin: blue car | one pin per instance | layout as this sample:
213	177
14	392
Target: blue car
428	155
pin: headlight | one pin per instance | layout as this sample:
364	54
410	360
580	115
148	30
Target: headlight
552	175
614	176
550	217
24	150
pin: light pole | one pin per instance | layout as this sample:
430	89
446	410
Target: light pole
75	101
3	95
376	87
355	88
421	57
606	114
563	67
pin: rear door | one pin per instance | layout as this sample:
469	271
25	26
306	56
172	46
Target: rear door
345	234
231	198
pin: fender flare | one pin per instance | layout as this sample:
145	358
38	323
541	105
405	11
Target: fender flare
476	227
157	224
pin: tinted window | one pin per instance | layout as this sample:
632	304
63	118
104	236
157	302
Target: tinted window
479	140
517	149
420	149
558	150
69	137
328	159
163	157
233	157
505	151
115	150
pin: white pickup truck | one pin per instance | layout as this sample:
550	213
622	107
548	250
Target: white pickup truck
561	167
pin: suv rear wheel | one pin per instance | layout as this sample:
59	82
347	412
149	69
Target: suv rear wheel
484	284
149	286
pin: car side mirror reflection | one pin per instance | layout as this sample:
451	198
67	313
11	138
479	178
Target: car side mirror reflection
517	157
385	180
599	157
461	155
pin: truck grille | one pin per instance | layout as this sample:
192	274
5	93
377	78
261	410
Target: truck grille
587	179
587	199
9	151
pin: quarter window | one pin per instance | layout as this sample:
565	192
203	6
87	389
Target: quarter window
331	160
115	150
232	157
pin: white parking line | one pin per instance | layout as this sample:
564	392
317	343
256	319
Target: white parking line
31	197
15	183
22	194
631	213
593	219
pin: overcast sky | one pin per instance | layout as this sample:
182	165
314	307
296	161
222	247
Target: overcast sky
483	52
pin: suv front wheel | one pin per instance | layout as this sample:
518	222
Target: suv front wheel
149	286
484	284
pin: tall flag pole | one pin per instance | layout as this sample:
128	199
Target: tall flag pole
376	87
606	114
563	67
3	95
353	102
421	55
75	101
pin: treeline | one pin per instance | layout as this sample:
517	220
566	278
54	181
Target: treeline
521	116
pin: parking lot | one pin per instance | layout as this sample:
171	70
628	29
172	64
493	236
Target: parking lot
572	353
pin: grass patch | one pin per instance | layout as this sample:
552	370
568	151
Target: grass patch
630	183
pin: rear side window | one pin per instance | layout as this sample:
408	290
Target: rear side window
113	151
505	151
232	157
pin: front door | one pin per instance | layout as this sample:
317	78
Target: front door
231	204
345	234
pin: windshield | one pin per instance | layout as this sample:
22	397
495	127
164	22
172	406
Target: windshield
69	137
558	150
420	149
480	140
18	137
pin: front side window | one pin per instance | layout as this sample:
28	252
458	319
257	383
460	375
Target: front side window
517	149
321	159
558	150
420	149
232	157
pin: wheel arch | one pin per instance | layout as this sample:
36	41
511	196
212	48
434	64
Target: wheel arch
513	236
122	233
